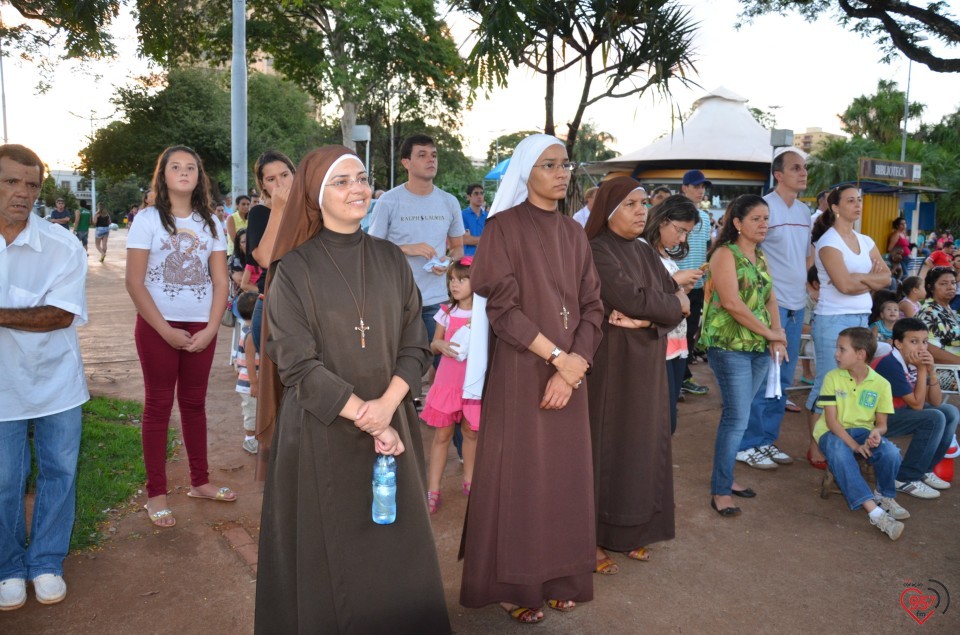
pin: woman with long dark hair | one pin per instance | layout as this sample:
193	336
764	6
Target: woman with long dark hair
741	332
178	283
850	267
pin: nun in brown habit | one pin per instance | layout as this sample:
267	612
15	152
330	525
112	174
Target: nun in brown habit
629	407
344	330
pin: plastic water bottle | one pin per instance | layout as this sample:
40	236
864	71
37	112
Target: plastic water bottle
384	490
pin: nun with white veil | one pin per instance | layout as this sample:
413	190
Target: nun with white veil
529	536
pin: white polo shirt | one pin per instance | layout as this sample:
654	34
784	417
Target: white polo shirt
43	266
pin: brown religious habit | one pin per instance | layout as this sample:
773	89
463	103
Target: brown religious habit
529	533
629	407
324	565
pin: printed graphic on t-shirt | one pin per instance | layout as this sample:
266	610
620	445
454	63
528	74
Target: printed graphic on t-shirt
182	270
868	399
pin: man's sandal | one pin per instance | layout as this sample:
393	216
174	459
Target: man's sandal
222	495
524	615
157	516
563	606
606	566
641	553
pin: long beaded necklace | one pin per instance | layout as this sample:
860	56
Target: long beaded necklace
361	306
564	313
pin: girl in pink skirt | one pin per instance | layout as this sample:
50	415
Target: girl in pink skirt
445	406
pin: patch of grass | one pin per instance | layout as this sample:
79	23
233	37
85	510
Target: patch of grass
110	468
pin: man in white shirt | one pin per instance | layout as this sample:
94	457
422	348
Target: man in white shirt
583	214
42	300
787	249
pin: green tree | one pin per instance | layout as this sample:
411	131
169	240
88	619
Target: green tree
192	107
879	116
592	145
503	146
895	25
619	48
50	192
118	196
766	119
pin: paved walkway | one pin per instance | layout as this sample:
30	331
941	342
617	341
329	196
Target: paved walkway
791	563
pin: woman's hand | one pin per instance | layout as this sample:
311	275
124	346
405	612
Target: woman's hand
557	394
449	349
374	416
388	443
571	368
176	338
776	335
278	197
619	319
687	277
878	266
684	302
778	348
201	339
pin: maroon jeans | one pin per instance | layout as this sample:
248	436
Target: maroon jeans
165	369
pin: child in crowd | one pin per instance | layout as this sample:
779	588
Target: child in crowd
445	406
886	313
912	293
251	274
806	347
248	369
856	402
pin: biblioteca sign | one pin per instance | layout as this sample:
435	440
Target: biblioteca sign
883	170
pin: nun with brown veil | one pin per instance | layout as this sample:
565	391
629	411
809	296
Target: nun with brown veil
629	409
344	330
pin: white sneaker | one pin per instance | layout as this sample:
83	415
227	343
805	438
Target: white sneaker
891	506
935	481
755	458
917	489
13	593
886	524
49	588
776	454
251	445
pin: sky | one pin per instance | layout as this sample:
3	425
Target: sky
810	71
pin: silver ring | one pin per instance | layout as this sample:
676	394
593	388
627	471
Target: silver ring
579	382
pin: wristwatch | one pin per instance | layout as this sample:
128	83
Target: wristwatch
555	353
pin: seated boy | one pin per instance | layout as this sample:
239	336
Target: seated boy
919	409
856	402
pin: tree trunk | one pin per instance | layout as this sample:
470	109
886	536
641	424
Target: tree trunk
548	126
347	121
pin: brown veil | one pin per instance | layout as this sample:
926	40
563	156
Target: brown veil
301	222
609	197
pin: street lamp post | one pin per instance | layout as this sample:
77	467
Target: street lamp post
906	114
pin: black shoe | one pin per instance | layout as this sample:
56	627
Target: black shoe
726	512
743	493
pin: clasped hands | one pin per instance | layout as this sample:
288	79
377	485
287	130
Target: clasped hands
571	369
195	343
873	440
373	417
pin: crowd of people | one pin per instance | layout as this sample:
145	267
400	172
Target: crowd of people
501	312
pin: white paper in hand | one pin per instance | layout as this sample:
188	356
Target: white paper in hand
462	339
773	379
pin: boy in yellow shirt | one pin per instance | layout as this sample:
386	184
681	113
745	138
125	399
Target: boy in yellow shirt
856	401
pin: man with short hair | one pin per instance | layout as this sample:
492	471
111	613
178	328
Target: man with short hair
228	204
821	206
474	218
694	187
61	215
81	225
787	248
583	214
940	258
237	220
42	301
658	194
422	220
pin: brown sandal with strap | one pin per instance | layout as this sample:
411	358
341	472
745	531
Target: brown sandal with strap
524	615
564	606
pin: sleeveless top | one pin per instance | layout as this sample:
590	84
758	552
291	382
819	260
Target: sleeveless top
720	328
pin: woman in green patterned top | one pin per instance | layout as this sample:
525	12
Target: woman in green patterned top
741	327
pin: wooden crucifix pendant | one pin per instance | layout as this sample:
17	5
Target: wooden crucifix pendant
566	316
363	333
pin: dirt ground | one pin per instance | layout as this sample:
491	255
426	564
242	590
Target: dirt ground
791	563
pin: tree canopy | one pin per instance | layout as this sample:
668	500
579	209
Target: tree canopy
895	25
879	117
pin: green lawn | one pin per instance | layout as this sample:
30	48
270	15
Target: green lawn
110	469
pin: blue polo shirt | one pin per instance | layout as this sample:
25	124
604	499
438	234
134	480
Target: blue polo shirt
473	224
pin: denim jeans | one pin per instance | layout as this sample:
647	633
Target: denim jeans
693	329
932	429
56	439
885	459
675	369
767	414
826	330
256	323
739	376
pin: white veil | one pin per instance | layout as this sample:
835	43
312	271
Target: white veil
511	192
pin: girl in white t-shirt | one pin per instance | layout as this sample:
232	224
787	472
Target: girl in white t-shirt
849	267
177	278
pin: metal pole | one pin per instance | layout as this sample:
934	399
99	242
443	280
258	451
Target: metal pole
906	114
390	115
93	174
238	101
3	94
